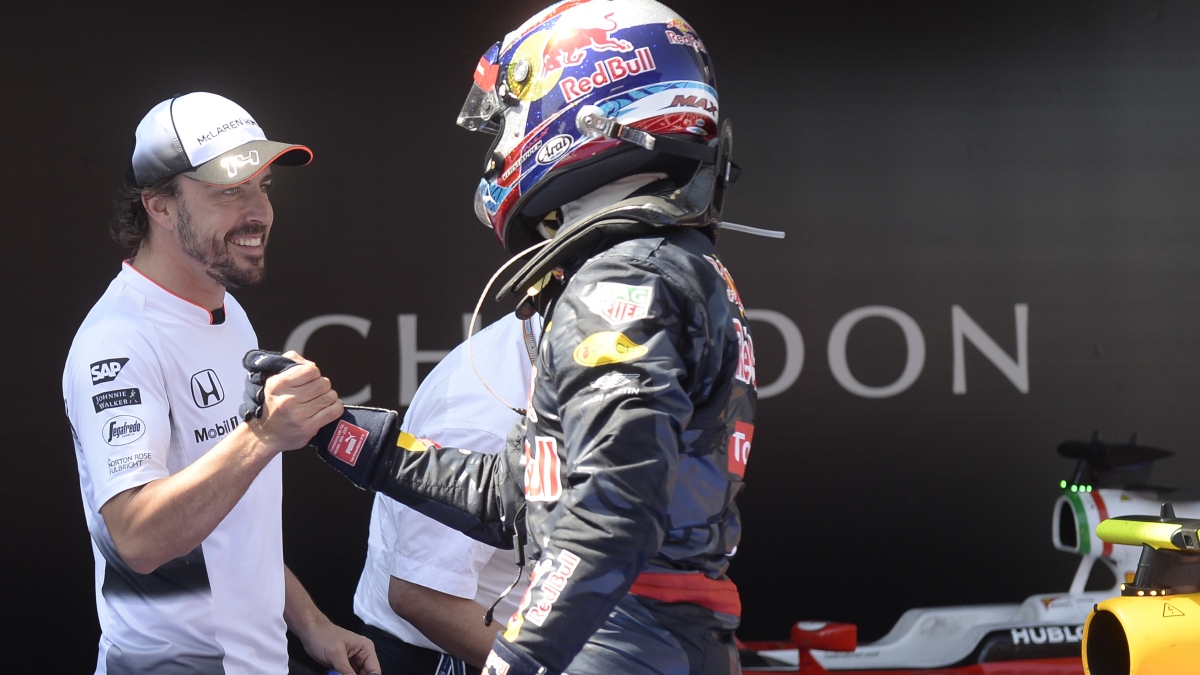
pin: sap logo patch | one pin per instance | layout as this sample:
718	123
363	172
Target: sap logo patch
107	370
347	442
619	303
739	447
206	389
122	430
607	346
117	398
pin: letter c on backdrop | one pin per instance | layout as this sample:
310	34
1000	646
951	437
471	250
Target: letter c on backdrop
298	341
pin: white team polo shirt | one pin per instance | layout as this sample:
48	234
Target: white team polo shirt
453	409
152	383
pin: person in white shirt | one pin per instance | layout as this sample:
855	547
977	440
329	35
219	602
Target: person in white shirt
425	587
183	499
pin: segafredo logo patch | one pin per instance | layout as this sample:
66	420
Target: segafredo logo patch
122	430
619	303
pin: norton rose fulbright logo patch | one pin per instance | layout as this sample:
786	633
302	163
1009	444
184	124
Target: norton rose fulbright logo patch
347	442
607	346
619	303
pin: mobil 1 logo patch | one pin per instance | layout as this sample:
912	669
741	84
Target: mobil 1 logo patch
106	370
206	389
117	398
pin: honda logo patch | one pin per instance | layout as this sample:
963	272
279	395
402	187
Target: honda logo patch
206	389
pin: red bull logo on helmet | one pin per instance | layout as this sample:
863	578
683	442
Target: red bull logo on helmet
544	56
607	72
569	47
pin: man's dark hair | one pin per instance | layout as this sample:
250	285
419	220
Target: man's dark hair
130	223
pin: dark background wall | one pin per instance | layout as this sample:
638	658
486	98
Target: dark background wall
920	155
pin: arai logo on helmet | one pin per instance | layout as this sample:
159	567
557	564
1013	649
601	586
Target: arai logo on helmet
553	149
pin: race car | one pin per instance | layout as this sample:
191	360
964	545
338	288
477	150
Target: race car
1040	636
1154	625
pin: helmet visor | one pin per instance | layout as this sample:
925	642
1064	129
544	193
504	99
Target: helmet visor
482	110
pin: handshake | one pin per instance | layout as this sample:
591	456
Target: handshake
482	496
353	444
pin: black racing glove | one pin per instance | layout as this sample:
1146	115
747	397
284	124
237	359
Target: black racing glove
351	444
262	365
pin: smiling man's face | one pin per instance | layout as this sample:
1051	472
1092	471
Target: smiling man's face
225	228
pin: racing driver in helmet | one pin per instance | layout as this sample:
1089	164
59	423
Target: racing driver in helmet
622	474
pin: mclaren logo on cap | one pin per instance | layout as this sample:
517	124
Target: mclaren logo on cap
233	164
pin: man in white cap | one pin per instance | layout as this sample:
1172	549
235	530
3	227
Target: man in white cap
182	499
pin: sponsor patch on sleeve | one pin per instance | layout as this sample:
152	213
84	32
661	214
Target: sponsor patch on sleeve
542	470
611	385
553	581
619	303
347	442
117	398
495	664
746	371
122	430
739	447
607	346
106	370
118	464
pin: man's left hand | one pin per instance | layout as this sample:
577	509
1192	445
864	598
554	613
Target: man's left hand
346	652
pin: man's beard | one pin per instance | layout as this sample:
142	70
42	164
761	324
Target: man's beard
214	254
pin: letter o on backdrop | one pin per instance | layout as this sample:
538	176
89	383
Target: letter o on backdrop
913	338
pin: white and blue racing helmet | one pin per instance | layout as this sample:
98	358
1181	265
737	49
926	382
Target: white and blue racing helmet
583	93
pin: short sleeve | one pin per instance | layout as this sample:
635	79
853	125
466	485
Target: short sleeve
116	400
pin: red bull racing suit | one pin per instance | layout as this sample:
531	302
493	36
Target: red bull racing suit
634	445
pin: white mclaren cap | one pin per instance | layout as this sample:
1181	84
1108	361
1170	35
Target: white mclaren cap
207	138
